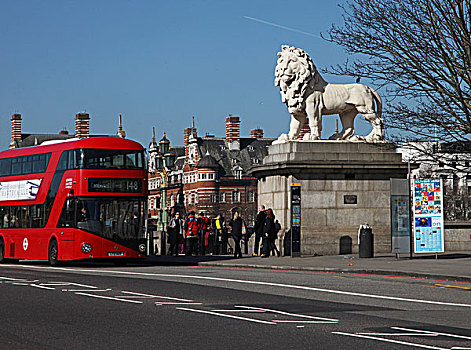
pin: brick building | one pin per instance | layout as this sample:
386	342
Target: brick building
210	173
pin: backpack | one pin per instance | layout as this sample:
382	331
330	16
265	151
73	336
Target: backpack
192	224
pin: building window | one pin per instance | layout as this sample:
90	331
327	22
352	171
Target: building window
235	196
238	174
251	197
222	197
172	200
196	198
255	161
213	198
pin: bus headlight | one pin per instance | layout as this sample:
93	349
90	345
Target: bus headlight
86	248
142	248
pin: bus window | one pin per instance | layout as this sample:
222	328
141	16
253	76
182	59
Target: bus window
16	165
37	219
4	217
5	167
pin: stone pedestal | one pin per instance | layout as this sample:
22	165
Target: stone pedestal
343	185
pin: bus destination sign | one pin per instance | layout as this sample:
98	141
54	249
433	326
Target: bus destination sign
115	185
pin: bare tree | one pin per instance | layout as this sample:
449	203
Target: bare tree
419	53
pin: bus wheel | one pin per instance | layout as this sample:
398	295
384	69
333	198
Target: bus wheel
2	252
53	253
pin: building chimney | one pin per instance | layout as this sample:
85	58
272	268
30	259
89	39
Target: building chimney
186	136
305	129
15	130
121	133
232	129
82	125
256	134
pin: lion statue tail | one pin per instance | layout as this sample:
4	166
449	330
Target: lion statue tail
379	103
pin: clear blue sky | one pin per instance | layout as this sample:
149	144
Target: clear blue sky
155	62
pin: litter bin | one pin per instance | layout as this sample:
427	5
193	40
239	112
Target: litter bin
366	242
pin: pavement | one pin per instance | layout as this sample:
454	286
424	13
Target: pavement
455	266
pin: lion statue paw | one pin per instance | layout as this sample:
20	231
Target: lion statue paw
309	137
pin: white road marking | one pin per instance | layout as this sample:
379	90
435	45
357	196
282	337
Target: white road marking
225	315
238	281
288	313
432	332
110	298
249	311
155	296
39	286
403	334
86	290
160	303
302	321
20	284
390	341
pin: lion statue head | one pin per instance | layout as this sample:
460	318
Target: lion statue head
293	74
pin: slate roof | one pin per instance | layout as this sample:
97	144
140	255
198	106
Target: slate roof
28	140
228	160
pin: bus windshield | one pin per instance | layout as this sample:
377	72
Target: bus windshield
110	158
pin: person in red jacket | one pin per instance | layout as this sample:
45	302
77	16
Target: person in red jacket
191	227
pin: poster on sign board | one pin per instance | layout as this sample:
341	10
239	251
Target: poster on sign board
428	216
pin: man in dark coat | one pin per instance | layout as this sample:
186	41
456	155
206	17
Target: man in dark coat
236	225
258	228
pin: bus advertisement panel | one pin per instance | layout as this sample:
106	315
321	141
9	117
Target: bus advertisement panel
428	216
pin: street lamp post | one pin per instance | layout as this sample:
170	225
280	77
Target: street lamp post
164	161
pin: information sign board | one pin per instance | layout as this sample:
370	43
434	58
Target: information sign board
428	216
295	219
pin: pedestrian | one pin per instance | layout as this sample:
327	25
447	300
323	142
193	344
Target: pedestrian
236	225
191	234
268	232
258	228
209	234
219	234
175	230
273	237
201	233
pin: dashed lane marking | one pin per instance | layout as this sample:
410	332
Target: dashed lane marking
40	286
289	313
225	315
156	296
109	298
160	303
432	332
390	341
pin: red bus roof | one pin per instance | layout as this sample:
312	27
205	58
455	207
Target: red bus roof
100	142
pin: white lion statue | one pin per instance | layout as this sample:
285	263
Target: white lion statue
306	93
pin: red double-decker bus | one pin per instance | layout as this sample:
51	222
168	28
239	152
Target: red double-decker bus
74	199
